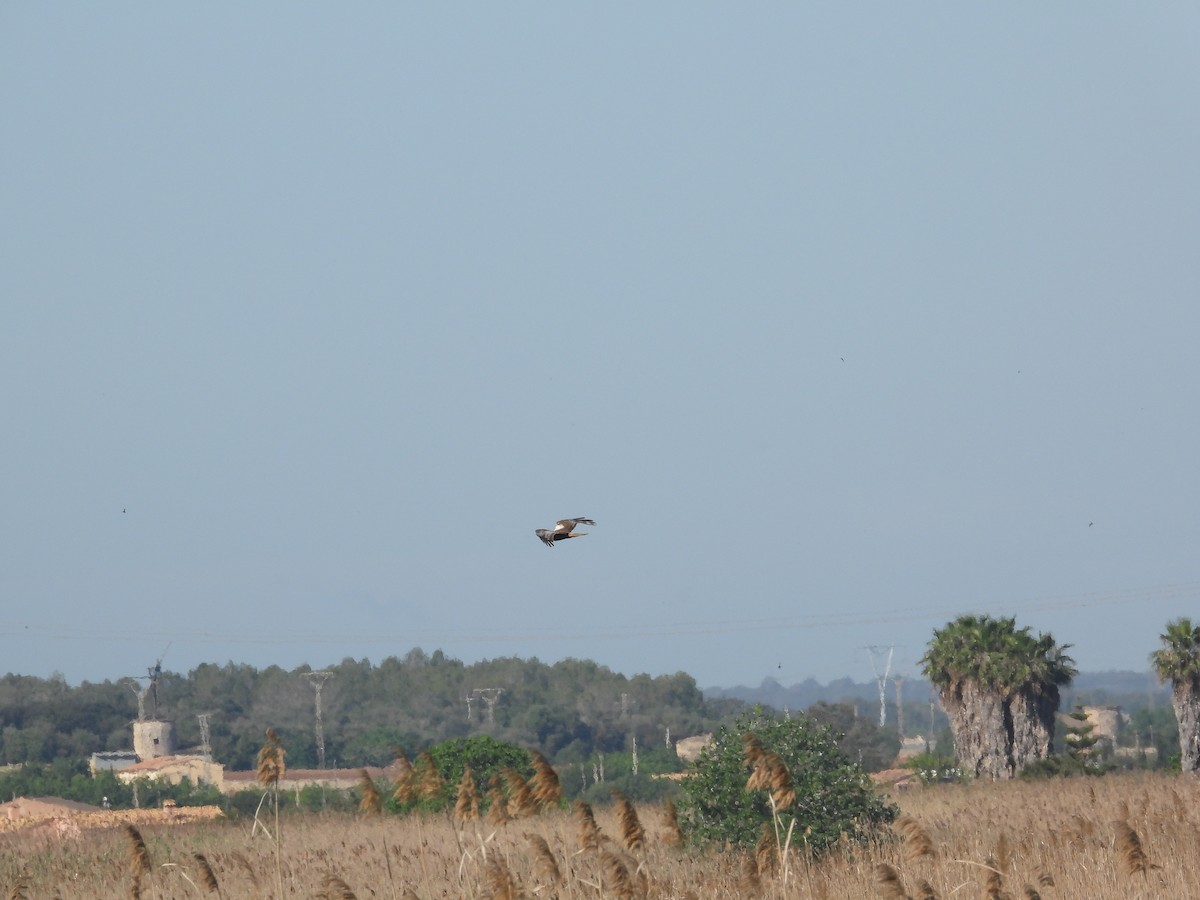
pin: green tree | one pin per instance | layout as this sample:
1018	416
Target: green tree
1000	688
1082	756
832	793
485	755
1178	661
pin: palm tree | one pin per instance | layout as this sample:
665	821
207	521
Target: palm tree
1178	661
1000	687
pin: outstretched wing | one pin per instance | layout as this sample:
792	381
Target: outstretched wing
564	526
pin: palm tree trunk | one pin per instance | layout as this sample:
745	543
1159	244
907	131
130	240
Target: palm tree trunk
1186	702
982	727
1032	712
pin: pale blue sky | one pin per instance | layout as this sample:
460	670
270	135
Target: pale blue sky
840	320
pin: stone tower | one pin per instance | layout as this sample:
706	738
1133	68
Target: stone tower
153	738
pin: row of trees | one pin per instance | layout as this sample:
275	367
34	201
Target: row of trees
1000	687
569	711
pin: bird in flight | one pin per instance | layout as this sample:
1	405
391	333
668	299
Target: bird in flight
562	530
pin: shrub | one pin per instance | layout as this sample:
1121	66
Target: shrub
832	793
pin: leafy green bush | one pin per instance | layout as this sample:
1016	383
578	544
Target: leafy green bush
485	755
833	794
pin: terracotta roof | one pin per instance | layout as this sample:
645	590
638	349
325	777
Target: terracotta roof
158	763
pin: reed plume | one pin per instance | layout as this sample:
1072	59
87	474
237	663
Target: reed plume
501	885
888	884
406	785
547	791
520	794
670	818
17	891
926	891
633	835
497	804
917	842
139	856
750	883
432	784
766	853
547	865
207	876
466	807
271	766
993	886
768	772
1031	893
589	831
1129	851
334	888
616	876
371	803
752	749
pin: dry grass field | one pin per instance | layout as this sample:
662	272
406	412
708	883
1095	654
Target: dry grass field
1127	836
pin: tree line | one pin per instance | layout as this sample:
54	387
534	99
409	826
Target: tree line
569	711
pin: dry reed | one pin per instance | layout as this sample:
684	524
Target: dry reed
547	790
750	883
616	876
371	803
917	842
405	792
670	820
888	884
207	876
547	865
334	888
993	885
1129	851
500	881
768	772
589	831
139	856
247	867
962	822
431	783
271	765
633	835
497	802
466	805
766	853
520	794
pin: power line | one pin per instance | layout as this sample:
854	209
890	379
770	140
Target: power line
1188	591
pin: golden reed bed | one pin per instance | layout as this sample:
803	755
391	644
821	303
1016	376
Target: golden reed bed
1120	836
